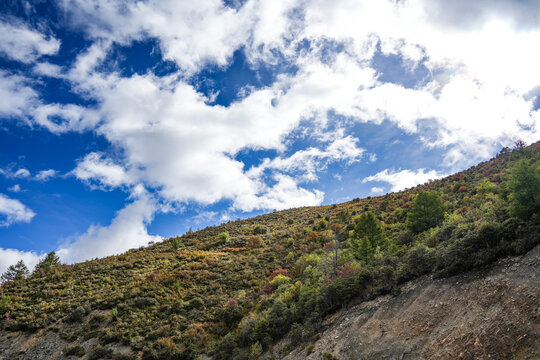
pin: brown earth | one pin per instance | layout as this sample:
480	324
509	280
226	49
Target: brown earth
488	314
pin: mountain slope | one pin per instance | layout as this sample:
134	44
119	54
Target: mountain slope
493	313
233	290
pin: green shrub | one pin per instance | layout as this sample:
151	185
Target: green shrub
77	315
224	237
76	350
176	243
260	230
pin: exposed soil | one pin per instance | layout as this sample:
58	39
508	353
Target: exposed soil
488	314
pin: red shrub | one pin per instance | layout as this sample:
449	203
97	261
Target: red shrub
232	304
348	269
277	272
336	227
312	236
329	246
267	289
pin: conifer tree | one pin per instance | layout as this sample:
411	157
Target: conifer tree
368	227
15	272
427	212
47	262
524	186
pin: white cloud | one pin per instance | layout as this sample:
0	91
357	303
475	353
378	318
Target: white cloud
24	44
126	231
21	173
377	190
45	175
15	95
13	211
284	194
61	118
95	166
190	33
15	188
312	160
10	257
403	179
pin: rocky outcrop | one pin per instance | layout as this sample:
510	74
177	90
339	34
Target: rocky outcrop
488	314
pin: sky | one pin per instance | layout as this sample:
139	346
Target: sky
125	122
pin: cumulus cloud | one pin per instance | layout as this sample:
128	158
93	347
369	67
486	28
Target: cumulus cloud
403	179
480	92
23	44
15	95
173	141
127	230
190	33
96	167
10	257
13	211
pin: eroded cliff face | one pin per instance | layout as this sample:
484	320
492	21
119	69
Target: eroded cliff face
489	314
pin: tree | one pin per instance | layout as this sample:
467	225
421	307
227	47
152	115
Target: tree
361	248
524	186
47	262
427	212
336	228
15	272
368	227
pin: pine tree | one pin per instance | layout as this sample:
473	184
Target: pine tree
427	212
524	186
15	272
47	262
368	227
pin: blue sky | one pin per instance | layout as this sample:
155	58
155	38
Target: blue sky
125	122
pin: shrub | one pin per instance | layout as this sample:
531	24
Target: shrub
224	237
77	315
195	303
260	230
176	243
76	350
277	272
5	304
114	314
280	280
253	242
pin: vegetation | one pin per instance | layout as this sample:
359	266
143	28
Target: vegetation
427	212
524	185
232	296
18	271
47	263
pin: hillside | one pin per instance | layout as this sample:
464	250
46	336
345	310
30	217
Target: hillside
235	290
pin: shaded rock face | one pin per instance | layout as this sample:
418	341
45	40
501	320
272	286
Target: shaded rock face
37	346
488	314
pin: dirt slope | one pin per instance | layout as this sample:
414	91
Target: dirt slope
488	314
